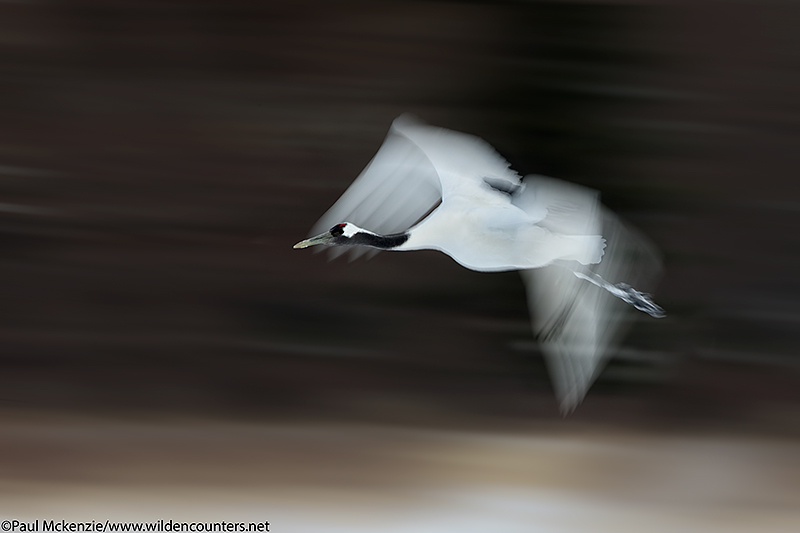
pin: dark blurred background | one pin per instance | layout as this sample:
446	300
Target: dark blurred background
158	159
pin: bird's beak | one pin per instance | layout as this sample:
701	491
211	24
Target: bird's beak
322	238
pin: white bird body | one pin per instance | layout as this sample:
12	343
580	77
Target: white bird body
488	219
496	238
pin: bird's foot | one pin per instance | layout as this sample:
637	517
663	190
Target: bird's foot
640	300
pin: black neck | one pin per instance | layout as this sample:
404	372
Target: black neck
383	242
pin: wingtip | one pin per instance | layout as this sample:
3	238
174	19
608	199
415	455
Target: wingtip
568	404
407	120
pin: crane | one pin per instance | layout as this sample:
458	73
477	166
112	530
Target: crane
433	188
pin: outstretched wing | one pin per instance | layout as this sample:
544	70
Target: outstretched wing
415	167
465	164
578	324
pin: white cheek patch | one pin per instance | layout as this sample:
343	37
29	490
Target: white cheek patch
351	229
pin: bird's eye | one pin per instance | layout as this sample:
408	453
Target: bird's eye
337	230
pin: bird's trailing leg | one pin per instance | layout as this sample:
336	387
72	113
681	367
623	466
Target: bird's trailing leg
640	300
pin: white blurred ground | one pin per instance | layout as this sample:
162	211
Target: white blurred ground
344	477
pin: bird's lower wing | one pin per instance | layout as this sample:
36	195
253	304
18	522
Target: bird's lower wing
579	324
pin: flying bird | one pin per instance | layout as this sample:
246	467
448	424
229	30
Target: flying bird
433	188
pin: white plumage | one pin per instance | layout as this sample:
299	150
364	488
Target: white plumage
488	219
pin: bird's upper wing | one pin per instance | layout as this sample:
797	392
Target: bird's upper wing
578	324
415	167
465	164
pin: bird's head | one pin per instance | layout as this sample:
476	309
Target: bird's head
338	235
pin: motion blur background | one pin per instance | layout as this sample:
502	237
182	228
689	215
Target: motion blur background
163	350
